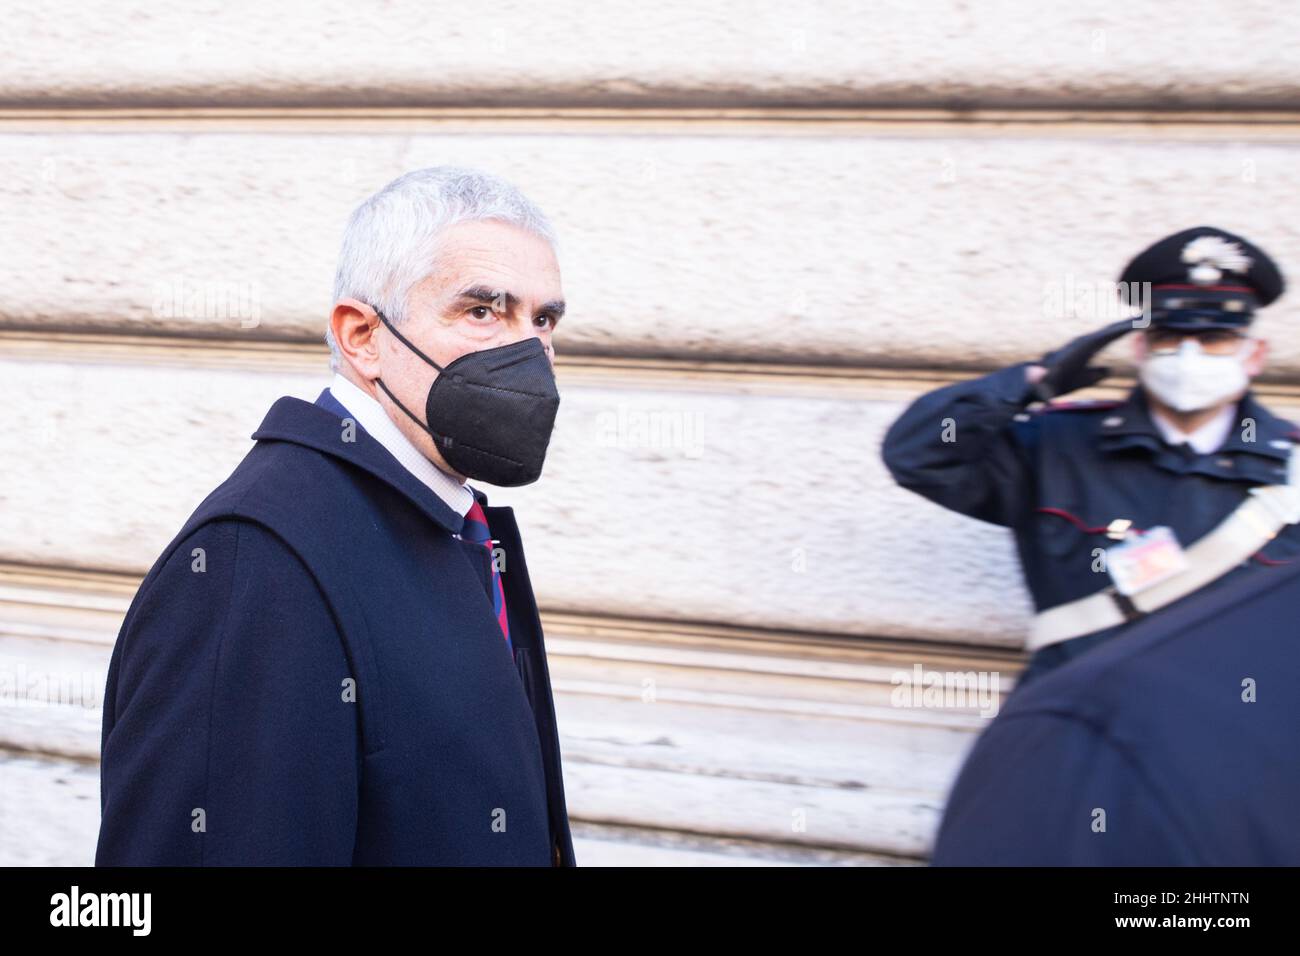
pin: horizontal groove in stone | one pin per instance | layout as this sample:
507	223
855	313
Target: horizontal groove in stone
59	587
692	120
297	356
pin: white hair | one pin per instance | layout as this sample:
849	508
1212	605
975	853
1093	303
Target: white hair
390	242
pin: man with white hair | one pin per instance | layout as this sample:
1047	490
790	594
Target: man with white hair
338	659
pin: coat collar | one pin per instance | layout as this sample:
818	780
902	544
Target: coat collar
316	426
1274	436
1129	425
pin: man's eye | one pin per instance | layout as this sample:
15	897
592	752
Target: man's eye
482	312
546	321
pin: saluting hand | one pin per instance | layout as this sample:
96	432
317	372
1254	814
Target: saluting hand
1067	370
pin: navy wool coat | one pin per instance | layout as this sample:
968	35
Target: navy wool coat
312	674
1172	745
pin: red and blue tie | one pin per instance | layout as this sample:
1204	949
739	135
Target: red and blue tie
476	529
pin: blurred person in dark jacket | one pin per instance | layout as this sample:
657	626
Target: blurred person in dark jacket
1174	745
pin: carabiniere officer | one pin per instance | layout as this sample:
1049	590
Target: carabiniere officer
1120	509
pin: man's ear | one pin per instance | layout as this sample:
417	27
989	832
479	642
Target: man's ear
1139	347
353	324
1258	357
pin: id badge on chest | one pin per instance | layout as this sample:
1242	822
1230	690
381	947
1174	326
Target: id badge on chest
1144	560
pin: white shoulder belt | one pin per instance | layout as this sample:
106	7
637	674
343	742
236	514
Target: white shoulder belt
1255	522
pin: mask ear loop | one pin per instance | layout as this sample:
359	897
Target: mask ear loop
440	439
404	340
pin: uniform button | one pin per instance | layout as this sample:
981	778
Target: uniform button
1224	462
1113	422
1280	443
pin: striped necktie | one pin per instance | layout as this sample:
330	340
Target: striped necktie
476	529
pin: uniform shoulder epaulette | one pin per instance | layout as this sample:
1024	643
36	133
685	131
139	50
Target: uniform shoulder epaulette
1091	405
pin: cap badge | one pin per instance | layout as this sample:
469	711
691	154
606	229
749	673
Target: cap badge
1210	256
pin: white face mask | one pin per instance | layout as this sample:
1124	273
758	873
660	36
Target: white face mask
1189	380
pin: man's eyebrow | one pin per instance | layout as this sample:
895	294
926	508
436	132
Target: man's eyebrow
490	296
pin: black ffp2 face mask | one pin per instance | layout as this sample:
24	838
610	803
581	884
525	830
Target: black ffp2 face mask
490	413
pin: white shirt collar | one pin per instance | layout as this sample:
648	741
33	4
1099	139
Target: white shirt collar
1208	438
370	415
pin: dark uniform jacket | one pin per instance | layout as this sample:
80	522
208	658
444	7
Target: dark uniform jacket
312	673
1176	745
1057	477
